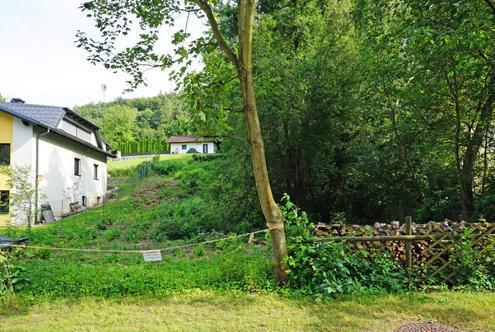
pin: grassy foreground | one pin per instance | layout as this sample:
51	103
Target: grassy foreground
238	311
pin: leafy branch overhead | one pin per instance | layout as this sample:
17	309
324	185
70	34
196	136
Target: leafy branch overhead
116	20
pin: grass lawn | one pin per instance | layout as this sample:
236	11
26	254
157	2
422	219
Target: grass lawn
237	311
125	164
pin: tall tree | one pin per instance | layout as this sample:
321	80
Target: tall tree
434	65
118	124
114	19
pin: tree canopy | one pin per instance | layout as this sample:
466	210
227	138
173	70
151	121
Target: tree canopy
370	110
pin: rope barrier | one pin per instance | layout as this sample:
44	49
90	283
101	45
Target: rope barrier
135	251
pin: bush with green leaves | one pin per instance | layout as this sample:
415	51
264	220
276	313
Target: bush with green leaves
167	167
332	267
12	274
474	263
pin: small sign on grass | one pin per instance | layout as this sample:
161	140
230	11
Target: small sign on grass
152	256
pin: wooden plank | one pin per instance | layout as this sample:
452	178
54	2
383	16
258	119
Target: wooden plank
408	245
429	262
443	237
484	235
376	238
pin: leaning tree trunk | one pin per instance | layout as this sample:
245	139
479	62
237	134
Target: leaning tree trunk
271	211
243	65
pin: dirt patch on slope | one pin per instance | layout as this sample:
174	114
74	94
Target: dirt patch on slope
149	193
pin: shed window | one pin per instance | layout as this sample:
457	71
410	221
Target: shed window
4	201
184	146
77	166
4	154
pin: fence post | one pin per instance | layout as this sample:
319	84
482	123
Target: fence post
408	245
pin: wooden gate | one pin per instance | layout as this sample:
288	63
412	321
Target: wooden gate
441	252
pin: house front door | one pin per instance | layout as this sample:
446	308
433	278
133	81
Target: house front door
205	148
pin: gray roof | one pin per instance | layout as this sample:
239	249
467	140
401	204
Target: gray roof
189	139
49	116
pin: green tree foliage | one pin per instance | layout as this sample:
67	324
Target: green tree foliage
145	125
370	109
432	72
374	109
118	124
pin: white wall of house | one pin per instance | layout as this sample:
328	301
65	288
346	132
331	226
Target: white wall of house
23	149
77	131
56	169
178	148
58	183
23	146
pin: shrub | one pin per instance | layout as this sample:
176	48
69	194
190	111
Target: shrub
12	275
207	157
331	267
475	266
112	234
144	169
192	150
168	167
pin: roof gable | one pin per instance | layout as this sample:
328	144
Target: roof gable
189	139
50	116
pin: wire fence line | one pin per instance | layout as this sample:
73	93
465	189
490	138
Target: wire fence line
136	251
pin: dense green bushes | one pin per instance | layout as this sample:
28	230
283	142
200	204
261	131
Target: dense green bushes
143	146
333	267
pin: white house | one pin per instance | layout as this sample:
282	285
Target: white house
64	151
192	144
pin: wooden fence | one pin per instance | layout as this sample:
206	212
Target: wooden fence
438	248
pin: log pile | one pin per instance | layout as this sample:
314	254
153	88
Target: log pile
420	252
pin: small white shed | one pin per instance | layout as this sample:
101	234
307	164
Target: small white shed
192	144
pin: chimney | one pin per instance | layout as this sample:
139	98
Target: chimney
17	101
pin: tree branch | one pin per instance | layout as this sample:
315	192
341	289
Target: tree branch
206	8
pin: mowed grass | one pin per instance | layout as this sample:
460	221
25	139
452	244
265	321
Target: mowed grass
129	163
238	311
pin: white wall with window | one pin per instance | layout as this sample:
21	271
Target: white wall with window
69	172
199	147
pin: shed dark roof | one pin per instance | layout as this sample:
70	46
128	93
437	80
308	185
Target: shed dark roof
189	139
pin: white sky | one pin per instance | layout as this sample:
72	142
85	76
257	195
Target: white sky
40	63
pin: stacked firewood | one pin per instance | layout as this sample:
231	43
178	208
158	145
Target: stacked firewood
421	251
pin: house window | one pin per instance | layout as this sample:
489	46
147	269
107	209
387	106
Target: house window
84	201
4	201
95	171
4	154
98	200
184	146
77	166
205	148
